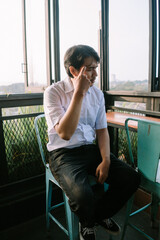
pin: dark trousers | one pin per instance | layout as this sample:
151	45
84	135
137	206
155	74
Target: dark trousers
71	168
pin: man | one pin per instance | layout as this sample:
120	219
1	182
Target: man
76	117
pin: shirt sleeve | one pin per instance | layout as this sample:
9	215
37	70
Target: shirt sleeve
101	120
52	107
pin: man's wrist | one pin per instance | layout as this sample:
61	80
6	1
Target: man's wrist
79	94
106	160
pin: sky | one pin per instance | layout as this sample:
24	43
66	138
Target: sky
129	37
79	23
11	47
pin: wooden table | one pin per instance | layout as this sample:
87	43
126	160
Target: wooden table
117	119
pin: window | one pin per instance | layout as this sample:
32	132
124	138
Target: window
79	24
128	45
11	45
24	46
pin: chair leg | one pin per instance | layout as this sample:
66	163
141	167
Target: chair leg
159	231
48	202
154	210
72	221
128	211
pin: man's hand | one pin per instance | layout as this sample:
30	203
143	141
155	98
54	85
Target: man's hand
81	83
102	172
68	123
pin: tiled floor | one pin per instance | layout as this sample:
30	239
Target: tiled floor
35	229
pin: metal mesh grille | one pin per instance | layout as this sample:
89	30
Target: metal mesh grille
22	152
123	151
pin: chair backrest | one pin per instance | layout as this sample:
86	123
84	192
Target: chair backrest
148	147
42	136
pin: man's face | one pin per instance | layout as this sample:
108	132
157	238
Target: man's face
91	69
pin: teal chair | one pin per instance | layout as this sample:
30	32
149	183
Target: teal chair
72	229
148	155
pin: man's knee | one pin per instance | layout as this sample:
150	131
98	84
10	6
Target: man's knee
83	195
131	178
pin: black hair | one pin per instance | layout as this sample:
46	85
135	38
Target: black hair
76	55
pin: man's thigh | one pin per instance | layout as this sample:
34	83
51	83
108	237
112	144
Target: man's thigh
71	167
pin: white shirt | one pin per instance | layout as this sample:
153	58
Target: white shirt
57	98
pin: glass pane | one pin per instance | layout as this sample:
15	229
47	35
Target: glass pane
36	43
128	45
131	105
79	24
22	110
11	45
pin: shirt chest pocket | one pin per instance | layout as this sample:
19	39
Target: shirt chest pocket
89	114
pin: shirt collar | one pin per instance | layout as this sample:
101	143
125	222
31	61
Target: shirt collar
68	86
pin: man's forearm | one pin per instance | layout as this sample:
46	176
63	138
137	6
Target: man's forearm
68	123
104	144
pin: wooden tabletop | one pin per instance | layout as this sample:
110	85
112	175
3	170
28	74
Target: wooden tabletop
117	119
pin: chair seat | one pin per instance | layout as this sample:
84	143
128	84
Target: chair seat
50	175
150	186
